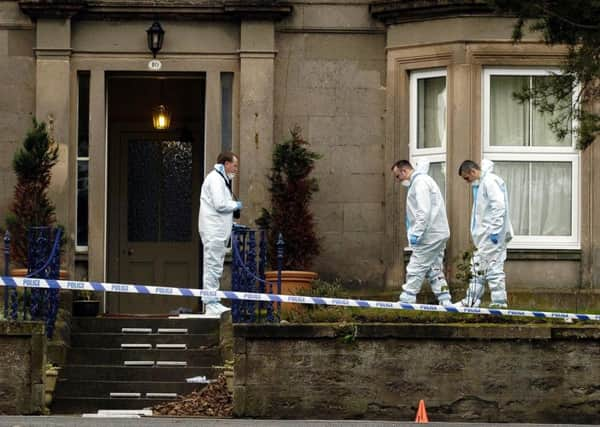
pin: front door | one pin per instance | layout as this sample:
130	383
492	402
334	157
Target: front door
158	240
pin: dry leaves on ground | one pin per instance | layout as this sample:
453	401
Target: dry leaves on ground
214	400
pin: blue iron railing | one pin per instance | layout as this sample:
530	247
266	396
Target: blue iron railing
248	275
43	263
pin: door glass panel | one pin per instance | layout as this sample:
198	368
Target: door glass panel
159	205
143	186
176	214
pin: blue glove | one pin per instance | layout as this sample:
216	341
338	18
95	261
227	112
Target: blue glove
494	238
413	239
239	206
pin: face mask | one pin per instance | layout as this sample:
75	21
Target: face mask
405	183
475	183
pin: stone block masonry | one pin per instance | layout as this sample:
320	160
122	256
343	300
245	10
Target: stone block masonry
22	367
533	373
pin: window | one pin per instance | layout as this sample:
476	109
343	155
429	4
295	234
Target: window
226	110
428	122
541	172
81	203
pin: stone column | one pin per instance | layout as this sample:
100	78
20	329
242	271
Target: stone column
257	57
97	176
52	93
463	143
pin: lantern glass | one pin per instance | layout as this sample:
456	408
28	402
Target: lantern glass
161	117
155	37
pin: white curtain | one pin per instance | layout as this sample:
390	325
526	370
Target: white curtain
431	95
539	197
516	178
438	172
551	199
509	120
542	134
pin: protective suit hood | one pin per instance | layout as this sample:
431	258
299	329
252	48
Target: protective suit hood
422	166
486	166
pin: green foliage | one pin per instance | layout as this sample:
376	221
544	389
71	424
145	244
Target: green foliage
464	272
31	205
291	189
576	25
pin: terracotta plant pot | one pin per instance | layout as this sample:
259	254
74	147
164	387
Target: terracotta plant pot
22	272
292	283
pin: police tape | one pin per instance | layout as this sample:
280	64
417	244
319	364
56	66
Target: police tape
21	282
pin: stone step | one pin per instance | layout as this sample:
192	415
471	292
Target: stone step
100	389
123	373
109	356
172	346
115	325
114	340
172	331
78	405
142	346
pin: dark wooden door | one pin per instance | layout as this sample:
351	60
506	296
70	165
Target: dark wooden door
158	197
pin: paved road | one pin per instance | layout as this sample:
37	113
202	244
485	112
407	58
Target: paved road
75	421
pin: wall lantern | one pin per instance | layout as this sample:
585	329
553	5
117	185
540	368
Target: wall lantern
161	117
156	36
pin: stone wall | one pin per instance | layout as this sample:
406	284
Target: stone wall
22	367
17	91
330	74
536	373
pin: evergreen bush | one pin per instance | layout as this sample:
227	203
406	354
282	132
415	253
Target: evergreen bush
292	189
31	205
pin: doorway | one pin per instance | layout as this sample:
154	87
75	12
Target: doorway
154	179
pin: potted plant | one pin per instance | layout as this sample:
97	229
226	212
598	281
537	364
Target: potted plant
292	188
85	304
31	206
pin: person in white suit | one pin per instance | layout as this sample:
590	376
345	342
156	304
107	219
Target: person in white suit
215	221
427	231
491	230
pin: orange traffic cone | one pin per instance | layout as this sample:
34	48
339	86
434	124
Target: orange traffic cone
421	413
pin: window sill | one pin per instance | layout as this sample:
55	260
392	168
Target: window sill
544	255
531	255
81	256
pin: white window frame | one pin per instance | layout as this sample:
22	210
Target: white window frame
436	154
566	154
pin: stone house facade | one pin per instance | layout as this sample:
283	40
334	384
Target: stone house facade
368	82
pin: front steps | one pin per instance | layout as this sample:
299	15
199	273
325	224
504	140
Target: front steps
143	361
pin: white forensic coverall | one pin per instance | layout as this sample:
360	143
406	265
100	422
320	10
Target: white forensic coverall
215	221
426	220
489	221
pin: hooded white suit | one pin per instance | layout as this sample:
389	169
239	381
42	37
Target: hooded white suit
215	221
426	220
489	221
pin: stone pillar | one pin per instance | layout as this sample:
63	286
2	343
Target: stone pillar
52	93
257	57
463	143
97	176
